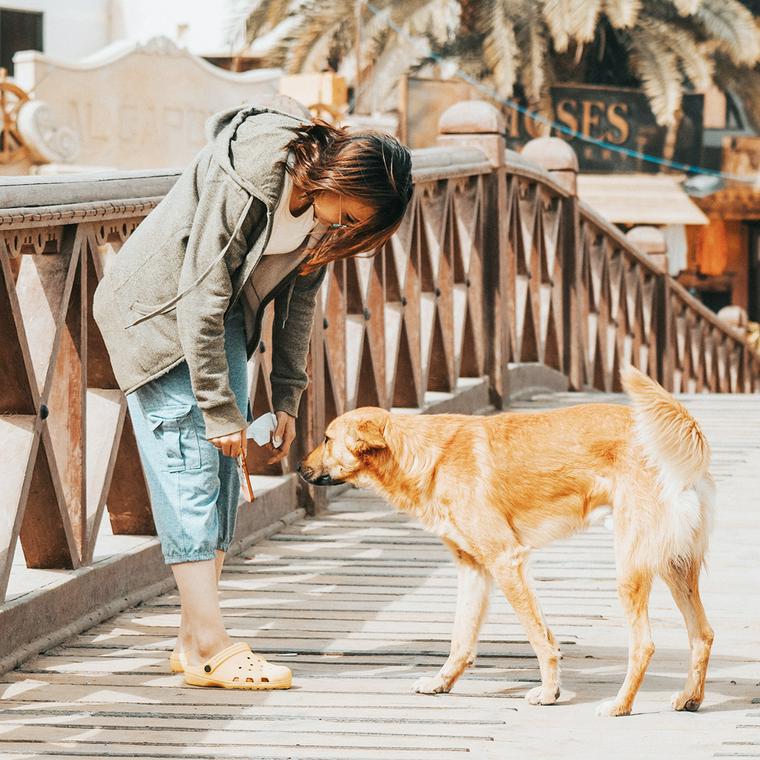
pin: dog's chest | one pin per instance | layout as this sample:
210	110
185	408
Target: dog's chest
439	523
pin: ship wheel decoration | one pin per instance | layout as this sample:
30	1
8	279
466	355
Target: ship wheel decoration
12	97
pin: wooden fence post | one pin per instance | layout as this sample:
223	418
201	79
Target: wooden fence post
477	123
556	157
651	242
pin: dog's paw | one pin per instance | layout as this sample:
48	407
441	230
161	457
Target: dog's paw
680	701
611	709
542	695
430	685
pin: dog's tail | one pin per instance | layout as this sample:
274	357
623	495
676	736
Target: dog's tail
670	436
676	447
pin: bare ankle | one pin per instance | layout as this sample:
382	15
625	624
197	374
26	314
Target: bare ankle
204	646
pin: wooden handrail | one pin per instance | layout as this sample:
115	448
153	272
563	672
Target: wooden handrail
495	263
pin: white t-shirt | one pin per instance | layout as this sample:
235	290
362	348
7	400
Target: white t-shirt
288	231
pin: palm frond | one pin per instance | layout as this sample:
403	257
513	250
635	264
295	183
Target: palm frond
415	17
657	69
571	20
731	23
394	61
585	17
693	59
500	46
264	16
438	18
686	7
557	17
532	43
316	58
317	21
275	53
622	13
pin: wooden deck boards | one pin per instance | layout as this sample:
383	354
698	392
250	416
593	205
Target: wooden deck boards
359	603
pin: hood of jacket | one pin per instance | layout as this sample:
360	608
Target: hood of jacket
241	136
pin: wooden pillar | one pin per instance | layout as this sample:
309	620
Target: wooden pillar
651	242
478	124
558	159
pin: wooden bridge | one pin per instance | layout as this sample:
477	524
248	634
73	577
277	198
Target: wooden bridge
359	602
500	283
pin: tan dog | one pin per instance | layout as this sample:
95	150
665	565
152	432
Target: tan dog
495	488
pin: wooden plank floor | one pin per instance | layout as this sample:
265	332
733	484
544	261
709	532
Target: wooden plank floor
359	603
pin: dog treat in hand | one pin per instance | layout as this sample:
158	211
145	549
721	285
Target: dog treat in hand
262	428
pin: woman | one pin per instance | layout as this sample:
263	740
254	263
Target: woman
258	214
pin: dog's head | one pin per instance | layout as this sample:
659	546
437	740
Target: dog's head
350	442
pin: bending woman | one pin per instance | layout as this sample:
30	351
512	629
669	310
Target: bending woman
256	216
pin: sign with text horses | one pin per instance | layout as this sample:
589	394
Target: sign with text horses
619	117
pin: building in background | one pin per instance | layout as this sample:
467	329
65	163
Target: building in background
129	84
75	29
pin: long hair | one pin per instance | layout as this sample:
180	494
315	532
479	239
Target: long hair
370	166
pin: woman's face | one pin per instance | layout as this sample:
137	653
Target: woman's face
333	208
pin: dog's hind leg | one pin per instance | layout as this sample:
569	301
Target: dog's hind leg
683	581
634	587
509	571
473	586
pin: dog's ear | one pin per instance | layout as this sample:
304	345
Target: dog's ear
369	433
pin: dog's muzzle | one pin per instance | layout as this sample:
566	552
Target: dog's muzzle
322	480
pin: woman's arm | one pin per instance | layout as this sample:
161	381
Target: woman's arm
290	338
200	314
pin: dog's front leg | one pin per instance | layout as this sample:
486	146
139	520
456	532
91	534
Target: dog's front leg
509	572
473	585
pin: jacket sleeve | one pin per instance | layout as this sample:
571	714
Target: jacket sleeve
291	333
200	314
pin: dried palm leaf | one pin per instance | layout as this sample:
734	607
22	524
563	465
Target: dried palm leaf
657	69
622	13
500	46
731	23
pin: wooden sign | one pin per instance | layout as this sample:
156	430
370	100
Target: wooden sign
618	116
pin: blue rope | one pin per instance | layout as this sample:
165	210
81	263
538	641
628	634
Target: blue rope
564	129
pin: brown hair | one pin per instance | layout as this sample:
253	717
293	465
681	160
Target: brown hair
370	166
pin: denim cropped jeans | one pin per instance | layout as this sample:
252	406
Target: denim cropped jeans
194	488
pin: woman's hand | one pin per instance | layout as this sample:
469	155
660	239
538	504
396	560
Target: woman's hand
231	444
284	435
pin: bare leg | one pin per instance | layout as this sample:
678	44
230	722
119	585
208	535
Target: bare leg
473	585
183	637
198	590
509	572
634	589
684	586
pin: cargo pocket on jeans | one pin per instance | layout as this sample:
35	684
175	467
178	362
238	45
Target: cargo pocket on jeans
175	429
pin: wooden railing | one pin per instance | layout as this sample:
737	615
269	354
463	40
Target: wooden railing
496	263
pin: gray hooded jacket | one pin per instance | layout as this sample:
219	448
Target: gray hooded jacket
164	296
